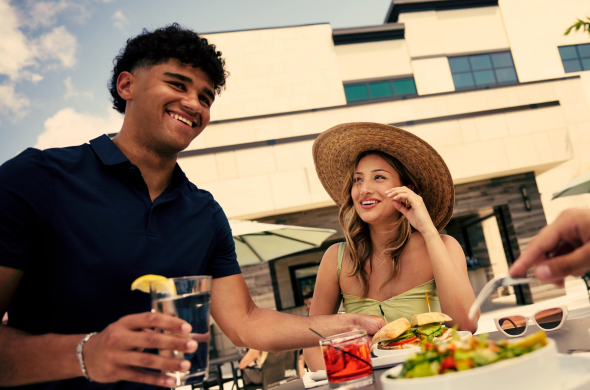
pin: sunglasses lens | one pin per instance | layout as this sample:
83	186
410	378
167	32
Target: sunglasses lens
513	325
550	318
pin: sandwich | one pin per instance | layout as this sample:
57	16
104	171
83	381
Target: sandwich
396	335
428	326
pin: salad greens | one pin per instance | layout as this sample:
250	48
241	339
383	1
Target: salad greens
457	355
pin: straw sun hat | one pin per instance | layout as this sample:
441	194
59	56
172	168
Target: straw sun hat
336	148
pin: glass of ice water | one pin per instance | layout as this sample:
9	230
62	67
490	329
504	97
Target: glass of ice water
187	298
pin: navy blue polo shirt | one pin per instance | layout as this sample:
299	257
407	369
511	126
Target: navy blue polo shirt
80	223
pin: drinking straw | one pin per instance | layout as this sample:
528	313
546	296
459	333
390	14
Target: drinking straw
428	302
383	314
341	350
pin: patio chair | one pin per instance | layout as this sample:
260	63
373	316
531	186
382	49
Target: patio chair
278	368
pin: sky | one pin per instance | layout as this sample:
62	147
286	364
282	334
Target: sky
56	55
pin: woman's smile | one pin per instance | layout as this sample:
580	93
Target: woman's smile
369	203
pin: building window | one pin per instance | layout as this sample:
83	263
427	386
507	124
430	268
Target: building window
575	58
483	70
385	89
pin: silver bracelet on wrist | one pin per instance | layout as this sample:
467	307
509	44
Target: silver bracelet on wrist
80	356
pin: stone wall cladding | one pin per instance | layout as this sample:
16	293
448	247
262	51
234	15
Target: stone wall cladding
259	284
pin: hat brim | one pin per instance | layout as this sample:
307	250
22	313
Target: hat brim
338	147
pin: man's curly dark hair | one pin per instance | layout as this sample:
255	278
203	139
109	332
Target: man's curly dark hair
157	47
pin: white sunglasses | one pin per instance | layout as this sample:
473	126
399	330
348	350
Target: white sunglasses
548	320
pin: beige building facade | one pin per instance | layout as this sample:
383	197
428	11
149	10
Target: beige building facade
288	84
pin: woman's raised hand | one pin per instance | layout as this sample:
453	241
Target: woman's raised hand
412	206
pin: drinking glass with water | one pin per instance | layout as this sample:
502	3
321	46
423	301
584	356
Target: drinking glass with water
187	298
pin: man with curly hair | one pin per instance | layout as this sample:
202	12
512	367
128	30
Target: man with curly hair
79	224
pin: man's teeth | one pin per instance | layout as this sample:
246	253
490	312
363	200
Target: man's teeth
368	202
178	117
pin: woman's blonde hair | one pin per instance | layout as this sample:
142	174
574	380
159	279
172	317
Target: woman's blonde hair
357	232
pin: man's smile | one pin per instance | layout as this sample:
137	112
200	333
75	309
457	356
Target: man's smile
183	118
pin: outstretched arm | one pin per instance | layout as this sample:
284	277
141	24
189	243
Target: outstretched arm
268	330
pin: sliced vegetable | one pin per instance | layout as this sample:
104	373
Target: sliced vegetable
431	336
429	329
421	370
464	365
447	363
402	342
406	335
461	354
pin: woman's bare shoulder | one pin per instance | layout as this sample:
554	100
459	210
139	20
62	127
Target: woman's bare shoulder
417	242
449	240
328	271
331	255
453	247
416	238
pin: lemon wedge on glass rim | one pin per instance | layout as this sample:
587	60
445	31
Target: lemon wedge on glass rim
161	283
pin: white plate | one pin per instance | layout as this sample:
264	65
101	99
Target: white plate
387	357
543	369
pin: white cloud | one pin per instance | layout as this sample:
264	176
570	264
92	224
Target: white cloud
58	44
32	77
15	51
69	128
37	13
121	21
12	103
71	91
19	56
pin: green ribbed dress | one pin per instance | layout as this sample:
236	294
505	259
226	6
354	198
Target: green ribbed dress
405	304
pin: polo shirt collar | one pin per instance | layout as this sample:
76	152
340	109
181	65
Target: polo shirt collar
107	151
110	154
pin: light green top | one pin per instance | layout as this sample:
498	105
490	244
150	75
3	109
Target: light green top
405	304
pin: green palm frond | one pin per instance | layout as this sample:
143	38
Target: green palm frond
580	24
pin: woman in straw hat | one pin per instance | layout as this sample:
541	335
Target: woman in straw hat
395	194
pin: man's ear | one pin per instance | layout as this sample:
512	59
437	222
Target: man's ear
125	84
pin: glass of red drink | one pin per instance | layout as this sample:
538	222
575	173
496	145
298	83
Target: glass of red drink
348	360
